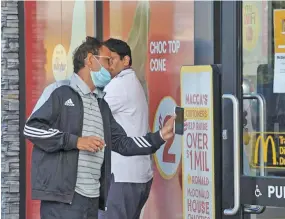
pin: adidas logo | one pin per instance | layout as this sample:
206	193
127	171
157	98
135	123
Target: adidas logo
69	103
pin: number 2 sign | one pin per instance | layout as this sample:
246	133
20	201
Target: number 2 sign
168	157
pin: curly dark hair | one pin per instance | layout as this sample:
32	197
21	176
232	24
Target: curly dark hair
120	47
90	45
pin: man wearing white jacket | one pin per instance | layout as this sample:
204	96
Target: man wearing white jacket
131	176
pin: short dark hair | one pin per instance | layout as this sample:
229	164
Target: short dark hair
90	45
120	47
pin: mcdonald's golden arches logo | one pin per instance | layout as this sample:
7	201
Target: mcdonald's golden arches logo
264	144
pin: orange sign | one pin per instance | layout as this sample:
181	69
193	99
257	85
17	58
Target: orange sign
279	48
279	30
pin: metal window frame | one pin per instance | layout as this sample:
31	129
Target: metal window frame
231	59
22	110
98	6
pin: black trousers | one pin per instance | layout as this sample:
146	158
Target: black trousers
126	200
81	208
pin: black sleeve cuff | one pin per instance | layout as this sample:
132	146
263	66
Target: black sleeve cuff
71	143
158	140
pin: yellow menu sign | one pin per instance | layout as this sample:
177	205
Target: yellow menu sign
279	49
279	31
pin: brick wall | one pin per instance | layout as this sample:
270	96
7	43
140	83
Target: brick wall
10	110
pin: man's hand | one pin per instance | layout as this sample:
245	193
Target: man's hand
167	130
90	143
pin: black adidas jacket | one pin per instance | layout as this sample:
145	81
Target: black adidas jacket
54	128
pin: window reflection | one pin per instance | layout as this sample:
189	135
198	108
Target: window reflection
262	22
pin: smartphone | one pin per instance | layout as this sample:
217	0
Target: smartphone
179	121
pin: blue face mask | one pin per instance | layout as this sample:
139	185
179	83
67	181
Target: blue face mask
100	78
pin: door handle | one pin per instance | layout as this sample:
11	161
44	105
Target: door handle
262	124
258	209
254	209
236	132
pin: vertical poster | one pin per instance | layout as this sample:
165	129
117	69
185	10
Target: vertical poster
198	142
279	50
50	39
159	48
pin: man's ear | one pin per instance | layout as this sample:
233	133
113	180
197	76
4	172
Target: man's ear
127	60
88	59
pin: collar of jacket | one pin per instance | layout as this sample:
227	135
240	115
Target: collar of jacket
75	81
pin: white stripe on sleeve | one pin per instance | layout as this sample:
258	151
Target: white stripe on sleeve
141	142
145	141
40	133
137	142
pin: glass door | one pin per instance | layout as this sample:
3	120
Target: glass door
263	147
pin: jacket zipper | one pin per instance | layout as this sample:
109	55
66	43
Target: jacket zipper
105	163
80	135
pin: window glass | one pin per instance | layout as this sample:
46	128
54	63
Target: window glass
264	74
161	36
53	29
